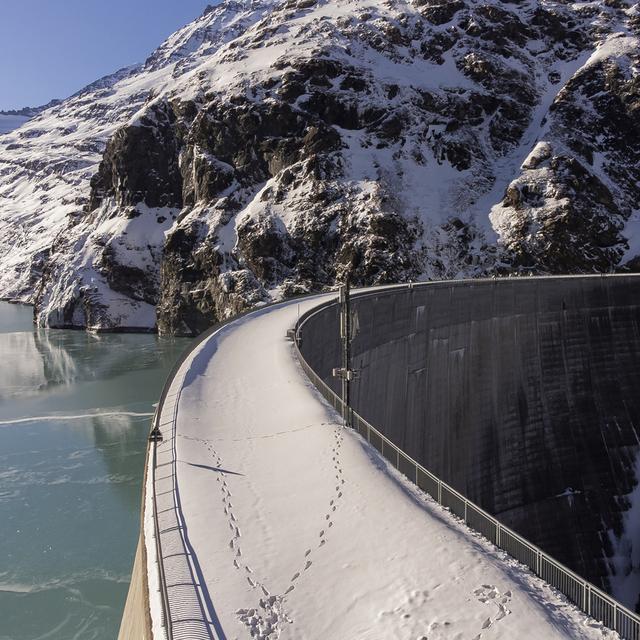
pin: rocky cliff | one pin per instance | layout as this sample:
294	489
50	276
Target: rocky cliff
270	146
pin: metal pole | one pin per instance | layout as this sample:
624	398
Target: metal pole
539	563
345	326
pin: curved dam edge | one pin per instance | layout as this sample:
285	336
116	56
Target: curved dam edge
404	331
252	442
136	616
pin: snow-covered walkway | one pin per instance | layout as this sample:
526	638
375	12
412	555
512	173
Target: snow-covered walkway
300	530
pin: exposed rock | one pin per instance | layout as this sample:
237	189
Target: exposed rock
568	209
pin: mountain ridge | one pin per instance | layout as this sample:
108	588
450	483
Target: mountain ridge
30	112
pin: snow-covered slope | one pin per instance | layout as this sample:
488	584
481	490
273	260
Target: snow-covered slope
10	120
46	167
272	145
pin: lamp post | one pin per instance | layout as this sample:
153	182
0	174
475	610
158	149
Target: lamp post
345	335
345	372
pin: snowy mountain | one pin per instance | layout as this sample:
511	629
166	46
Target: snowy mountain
9	122
14	118
271	145
31	112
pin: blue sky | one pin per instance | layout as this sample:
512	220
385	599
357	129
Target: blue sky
52	48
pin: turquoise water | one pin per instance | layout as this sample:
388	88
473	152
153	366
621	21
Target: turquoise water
71	463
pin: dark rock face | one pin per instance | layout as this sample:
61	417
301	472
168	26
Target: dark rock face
567	211
582	198
140	164
196	292
131	281
438	12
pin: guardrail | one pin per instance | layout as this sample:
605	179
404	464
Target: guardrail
166	612
156	439
586	596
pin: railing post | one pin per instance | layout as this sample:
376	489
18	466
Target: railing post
539	564
498	527
587	599
439	492
465	511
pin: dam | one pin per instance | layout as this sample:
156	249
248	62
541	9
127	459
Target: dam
512	402
522	394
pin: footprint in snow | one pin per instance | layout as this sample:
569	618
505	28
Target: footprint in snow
490	594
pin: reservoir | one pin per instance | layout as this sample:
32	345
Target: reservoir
75	411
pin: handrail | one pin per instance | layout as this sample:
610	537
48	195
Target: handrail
166	611
586	596
155	438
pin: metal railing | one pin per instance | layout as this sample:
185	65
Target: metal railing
586	596
166	612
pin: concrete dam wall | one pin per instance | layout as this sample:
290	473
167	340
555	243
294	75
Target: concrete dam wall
523	394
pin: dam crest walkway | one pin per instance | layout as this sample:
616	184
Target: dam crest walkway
275	521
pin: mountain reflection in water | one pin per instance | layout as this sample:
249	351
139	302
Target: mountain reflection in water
70	479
